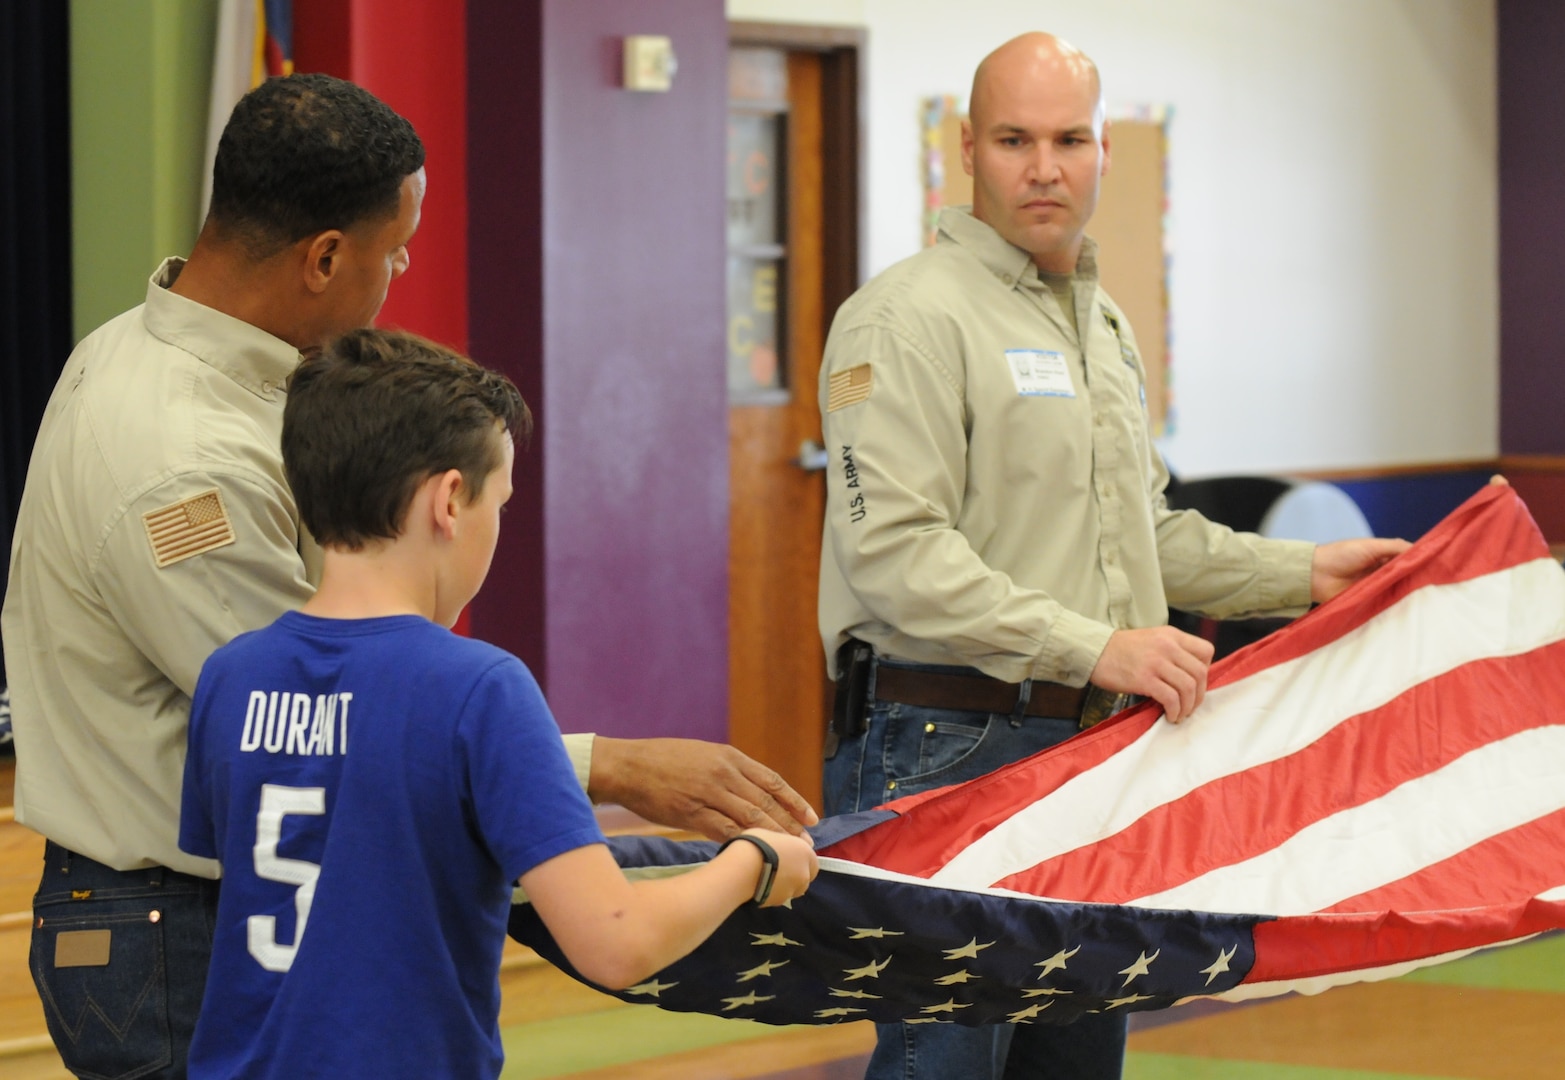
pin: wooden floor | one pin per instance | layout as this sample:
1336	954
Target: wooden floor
1495	1016
25	1050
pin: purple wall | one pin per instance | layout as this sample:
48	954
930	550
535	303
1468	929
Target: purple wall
1532	226
597	270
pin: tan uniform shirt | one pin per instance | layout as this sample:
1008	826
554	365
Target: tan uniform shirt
155	412
994	498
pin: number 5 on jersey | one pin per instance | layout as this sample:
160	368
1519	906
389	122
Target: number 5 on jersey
277	802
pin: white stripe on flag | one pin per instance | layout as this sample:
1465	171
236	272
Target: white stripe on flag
848	868
1433	630
1479	795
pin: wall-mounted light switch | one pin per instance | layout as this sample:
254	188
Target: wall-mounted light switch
649	62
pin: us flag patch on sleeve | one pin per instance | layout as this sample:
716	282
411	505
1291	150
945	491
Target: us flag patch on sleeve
188	527
848	387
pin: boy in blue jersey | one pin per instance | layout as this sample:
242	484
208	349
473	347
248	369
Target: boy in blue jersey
374	784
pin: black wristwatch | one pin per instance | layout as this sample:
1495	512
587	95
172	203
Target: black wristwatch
763	887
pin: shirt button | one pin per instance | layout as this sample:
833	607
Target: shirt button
266	388
1008	279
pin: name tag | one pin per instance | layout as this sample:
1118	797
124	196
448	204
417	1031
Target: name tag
1040	373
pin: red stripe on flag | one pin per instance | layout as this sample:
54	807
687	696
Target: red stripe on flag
1491	531
1249	813
1306	946
1519	863
949	819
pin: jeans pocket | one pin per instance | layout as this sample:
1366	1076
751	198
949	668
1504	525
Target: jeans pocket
927	748
109	1021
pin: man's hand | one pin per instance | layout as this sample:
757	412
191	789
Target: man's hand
1161	663
1338	565
708	788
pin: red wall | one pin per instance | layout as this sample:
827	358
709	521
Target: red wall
410	54
405	52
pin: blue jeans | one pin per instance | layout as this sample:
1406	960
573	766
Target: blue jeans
906	749
132	1017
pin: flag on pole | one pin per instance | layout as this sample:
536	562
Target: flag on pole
254	42
1377	787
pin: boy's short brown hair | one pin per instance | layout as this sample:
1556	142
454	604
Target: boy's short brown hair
375	414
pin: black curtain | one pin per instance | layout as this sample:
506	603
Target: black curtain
35	233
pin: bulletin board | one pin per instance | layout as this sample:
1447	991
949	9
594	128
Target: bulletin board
1130	225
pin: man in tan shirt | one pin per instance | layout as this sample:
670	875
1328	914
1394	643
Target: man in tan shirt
156	525
996	537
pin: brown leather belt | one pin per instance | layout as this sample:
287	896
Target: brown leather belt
975	693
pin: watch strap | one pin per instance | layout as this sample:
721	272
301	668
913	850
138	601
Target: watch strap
769	863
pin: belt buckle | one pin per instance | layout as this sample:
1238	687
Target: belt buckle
1102	704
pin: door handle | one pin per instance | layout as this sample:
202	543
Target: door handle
812	456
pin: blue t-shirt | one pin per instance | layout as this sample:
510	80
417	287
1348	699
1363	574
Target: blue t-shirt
380	784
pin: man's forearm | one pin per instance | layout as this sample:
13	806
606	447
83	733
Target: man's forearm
704	787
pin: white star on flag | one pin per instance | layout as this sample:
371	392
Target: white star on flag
946	1006
1056	962
957	977
761	969
858	933
871	970
749	999
1219	965
773	939
1115	1003
1029	1012
651	989
1139	968
969	951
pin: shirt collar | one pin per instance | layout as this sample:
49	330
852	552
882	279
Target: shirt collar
1005	260
246	354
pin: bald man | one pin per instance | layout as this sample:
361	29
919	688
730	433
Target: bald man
998	558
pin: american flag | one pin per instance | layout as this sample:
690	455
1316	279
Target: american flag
254	42
1378	787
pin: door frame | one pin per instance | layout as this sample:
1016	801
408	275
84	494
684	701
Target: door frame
838	52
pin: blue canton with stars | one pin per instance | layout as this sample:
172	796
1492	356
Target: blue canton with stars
856	948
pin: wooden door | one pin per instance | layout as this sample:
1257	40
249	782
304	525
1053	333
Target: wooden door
777	321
